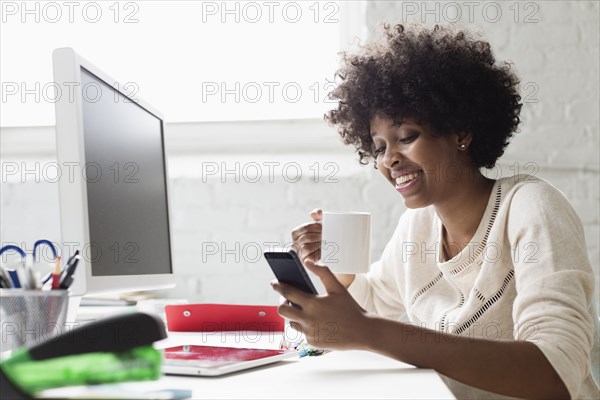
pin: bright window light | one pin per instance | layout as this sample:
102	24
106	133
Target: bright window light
194	61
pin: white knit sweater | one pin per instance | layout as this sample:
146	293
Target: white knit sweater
525	275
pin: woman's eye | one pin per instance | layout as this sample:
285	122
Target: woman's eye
407	139
379	150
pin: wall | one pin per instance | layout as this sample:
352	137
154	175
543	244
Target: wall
232	216
220	218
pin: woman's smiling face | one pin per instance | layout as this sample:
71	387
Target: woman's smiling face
423	168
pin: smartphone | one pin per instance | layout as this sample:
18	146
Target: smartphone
288	269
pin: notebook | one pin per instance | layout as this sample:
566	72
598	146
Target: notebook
209	325
215	361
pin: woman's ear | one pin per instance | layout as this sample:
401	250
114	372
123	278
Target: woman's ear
463	139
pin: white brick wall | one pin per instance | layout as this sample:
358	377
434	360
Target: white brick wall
560	134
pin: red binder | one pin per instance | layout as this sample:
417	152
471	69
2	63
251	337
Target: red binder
223	317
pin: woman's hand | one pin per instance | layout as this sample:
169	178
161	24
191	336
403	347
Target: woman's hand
307	243
331	321
307	238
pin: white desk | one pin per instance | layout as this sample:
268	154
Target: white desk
334	375
339	374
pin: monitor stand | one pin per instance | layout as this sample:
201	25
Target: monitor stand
82	310
105	302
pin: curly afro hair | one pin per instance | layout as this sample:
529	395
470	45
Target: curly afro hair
449	80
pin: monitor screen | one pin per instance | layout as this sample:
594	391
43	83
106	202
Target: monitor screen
126	183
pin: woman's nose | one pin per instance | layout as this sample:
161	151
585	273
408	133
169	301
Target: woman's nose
391	157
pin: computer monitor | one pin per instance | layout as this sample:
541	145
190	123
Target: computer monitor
113	195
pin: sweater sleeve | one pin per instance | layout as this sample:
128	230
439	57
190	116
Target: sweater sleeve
378	291
554	280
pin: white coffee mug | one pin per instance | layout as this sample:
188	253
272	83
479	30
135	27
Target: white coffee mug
346	241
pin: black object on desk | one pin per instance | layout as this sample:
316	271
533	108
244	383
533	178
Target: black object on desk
113	334
118	333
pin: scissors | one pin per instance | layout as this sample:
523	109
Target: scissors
23	277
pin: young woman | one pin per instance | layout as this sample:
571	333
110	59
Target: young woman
493	276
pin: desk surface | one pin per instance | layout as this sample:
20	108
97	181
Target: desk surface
338	374
334	375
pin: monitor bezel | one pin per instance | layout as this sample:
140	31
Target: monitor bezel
73	197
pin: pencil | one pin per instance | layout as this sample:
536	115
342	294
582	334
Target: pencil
56	274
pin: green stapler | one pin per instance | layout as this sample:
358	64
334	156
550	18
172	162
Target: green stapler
114	349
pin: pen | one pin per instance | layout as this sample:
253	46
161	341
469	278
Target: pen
14	278
48	276
4	283
69	264
25	274
5	277
33	277
13	275
64	272
67	279
56	274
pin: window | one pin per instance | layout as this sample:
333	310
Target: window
195	61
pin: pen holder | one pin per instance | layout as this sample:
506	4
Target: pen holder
28	317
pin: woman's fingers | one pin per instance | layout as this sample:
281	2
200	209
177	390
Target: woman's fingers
316	214
307	241
330	282
308	250
296	326
290	312
305	256
307	228
292	294
308	238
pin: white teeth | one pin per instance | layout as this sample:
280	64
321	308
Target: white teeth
401	180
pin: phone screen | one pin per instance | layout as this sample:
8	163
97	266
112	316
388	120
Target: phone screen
287	269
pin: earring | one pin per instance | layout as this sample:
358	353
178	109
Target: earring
462	146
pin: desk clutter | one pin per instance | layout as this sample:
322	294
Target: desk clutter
24	273
34	295
228	318
116	349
